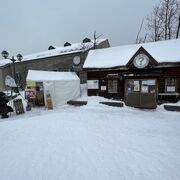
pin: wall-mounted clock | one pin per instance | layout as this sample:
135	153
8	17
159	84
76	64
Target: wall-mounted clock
141	61
76	60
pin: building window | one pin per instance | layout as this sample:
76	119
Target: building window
171	84
112	86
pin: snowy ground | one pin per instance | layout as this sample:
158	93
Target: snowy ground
93	142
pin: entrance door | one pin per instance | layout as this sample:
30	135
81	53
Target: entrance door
141	93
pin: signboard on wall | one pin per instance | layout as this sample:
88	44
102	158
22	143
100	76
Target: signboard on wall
171	89
103	88
93	84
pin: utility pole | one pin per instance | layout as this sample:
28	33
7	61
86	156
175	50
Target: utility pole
178	28
95	39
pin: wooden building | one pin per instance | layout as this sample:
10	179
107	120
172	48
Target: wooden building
142	74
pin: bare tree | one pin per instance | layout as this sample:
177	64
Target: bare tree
171	19
155	28
178	29
162	23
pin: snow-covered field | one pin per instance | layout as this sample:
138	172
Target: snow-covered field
94	142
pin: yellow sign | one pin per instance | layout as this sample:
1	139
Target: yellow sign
31	84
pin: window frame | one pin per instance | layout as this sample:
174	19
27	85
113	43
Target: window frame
113	86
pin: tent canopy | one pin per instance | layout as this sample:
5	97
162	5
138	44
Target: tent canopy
62	86
34	75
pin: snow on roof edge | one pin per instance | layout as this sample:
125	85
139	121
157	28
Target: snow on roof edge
38	75
74	48
162	51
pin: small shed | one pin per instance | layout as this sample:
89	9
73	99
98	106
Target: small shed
142	75
61	86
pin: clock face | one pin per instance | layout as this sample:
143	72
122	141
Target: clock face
141	61
76	60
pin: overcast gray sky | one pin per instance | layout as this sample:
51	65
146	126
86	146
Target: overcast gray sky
29	26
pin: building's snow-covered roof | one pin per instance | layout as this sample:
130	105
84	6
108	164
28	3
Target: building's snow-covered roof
3	62
161	51
35	75
74	48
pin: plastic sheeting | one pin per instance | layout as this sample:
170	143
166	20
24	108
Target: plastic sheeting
62	91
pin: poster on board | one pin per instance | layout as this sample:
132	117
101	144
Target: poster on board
151	82
136	86
144	82
144	89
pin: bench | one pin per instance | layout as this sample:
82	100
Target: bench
114	104
77	103
172	108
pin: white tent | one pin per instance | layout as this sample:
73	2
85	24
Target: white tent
62	86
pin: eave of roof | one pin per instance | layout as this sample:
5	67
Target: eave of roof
162	51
